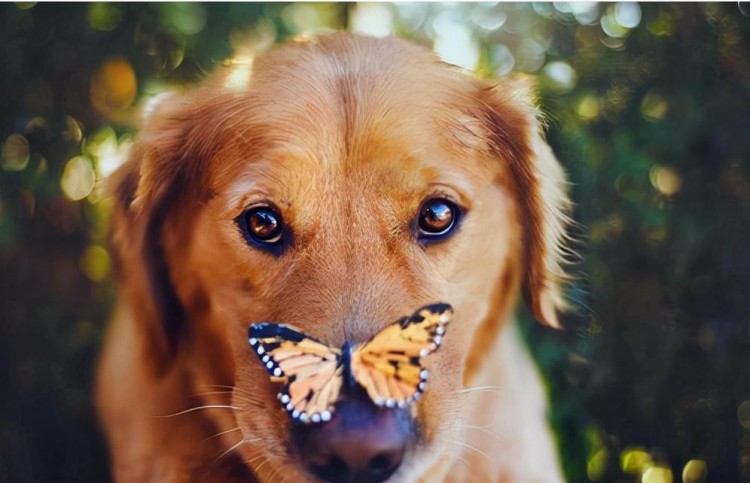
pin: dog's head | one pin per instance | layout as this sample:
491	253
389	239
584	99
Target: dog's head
337	185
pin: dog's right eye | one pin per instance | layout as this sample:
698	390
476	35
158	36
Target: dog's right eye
262	227
437	218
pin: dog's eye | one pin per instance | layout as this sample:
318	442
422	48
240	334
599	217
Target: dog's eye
262	226
437	218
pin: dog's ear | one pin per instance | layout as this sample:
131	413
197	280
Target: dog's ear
165	171
516	138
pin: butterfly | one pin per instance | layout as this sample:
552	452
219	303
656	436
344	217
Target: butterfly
388	365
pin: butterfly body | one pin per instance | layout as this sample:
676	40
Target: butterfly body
387	366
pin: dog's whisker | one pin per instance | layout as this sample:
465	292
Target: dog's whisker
218	386
273	475
256	458
223	387
210	406
257	470
210	393
468	446
482	429
239	443
221	434
458	457
468	390
233	389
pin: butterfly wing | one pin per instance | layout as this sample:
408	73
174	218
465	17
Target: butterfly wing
389	365
310	370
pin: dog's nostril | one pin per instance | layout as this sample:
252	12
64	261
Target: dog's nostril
353	461
335	469
381	462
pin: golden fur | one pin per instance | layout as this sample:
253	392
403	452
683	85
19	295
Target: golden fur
347	136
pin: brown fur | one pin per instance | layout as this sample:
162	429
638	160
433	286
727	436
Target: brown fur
347	136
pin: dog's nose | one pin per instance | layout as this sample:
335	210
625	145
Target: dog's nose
362	443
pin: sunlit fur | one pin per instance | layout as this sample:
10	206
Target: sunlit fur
347	136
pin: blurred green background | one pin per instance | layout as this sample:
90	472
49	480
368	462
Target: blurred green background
649	111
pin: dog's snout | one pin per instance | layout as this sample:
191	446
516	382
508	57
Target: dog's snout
362	443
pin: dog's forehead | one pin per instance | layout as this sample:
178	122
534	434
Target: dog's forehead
399	172
332	117
336	93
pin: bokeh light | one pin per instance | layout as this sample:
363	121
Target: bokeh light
454	41
635	461
585	13
695	471
627	14
95	263
78	178
238	78
502	59
489	17
560	76
374	19
189	18
104	16
657	474
108	152
743	414
654	107
588	107
665	179
15	153
596	466
113	88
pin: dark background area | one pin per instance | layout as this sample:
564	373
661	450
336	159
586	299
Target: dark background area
649	111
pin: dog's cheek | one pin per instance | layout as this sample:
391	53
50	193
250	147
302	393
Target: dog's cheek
441	403
262	421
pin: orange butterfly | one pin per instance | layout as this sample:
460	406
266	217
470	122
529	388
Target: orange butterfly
388	365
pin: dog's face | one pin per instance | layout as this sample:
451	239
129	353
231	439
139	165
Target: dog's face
337	186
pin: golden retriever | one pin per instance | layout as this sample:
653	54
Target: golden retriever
334	184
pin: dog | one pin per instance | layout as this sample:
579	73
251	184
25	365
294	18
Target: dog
333	184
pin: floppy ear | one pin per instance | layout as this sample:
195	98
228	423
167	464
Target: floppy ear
516	138
165	170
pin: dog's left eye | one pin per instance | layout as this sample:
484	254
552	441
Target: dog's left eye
262	227
438	217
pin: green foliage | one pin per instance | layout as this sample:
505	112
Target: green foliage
648	111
